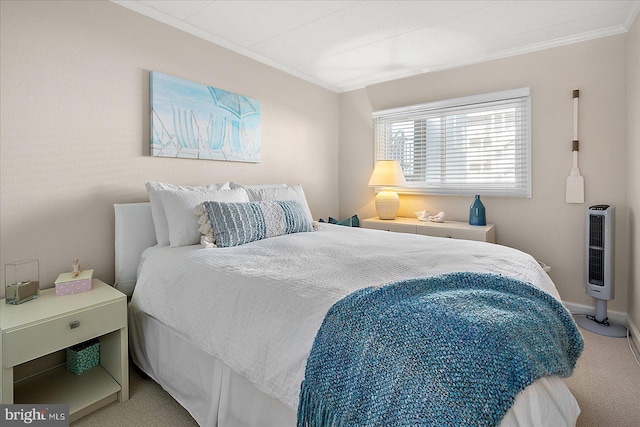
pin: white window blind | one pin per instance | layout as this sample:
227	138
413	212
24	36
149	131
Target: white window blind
473	145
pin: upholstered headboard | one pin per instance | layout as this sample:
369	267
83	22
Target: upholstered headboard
134	232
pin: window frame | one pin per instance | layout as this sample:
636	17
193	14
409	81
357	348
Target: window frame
522	188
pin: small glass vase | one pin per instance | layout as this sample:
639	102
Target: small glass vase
22	281
477	215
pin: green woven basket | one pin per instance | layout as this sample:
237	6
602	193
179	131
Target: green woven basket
84	356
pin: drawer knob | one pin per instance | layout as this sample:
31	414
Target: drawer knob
74	324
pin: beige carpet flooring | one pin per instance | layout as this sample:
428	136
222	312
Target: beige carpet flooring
606	383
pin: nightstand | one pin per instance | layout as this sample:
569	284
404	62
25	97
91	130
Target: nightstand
451	229
35	331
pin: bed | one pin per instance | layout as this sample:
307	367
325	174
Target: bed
227	331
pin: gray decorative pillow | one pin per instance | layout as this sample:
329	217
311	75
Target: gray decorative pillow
234	224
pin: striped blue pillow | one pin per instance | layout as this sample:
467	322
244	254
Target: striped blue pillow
238	223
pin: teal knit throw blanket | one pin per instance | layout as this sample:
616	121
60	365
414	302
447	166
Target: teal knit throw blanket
447	350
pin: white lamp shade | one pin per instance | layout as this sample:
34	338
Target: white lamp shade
387	173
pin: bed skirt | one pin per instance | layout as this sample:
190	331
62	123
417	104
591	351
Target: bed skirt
217	396
208	389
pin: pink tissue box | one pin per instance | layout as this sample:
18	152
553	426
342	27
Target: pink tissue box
67	284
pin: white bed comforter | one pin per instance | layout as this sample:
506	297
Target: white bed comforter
257	307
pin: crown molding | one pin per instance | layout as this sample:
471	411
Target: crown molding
363	83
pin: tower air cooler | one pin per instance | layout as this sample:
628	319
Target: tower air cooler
600	266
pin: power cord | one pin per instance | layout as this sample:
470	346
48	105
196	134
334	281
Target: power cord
606	322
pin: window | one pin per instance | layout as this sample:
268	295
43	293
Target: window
464	146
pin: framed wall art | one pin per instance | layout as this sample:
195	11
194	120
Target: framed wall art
196	121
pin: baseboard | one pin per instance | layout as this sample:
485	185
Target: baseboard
614	316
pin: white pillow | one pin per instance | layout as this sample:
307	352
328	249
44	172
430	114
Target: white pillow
237	185
157	210
179	205
294	192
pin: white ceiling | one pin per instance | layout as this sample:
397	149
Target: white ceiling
345	45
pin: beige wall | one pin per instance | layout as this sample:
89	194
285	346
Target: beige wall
75	117
633	138
74	137
545	226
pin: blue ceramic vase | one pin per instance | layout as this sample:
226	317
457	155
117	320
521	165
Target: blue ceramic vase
477	214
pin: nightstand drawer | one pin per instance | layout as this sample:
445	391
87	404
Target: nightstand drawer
451	229
480	235
37	339
392	226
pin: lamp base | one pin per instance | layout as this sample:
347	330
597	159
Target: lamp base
387	204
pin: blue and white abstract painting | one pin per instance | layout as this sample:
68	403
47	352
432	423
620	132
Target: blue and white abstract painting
195	121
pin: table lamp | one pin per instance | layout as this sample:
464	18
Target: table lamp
387	173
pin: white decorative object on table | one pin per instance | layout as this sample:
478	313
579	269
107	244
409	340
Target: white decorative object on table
422	215
426	216
440	217
76	269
